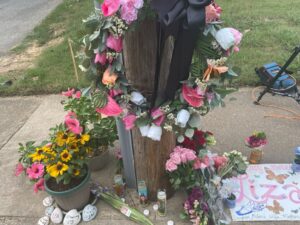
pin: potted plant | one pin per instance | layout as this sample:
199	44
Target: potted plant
256	142
59	165
102	130
296	163
227	193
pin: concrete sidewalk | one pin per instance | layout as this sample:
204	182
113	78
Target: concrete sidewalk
29	118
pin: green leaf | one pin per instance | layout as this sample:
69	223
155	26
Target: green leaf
183	216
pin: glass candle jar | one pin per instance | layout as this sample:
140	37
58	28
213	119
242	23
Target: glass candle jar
162	202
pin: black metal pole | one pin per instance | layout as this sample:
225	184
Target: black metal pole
273	80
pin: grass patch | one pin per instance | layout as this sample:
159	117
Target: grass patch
53	70
274	30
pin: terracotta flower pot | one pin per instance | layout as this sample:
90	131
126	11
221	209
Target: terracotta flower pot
100	161
255	156
74	198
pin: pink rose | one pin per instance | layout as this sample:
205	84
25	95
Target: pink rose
190	155
211	13
110	7
158	116
70	115
68	93
192	96
171	166
101	58
77	95
201	163
178	149
219	161
39	185
129	121
129	12
114	43
111	108
175	158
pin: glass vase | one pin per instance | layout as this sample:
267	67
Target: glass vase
255	156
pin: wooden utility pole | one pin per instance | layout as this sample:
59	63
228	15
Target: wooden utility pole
140	53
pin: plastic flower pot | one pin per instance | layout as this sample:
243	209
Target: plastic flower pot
98	162
295	167
230	202
74	198
255	156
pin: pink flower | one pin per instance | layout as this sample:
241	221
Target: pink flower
219	161
129	12
171	166
111	108
101	58
201	163
158	116
175	158
128	121
192	96
110	7
114	43
190	155
19	169
35	171
237	38
70	115
118	154
39	185
178	149
77	95
68	93
73	125
211	13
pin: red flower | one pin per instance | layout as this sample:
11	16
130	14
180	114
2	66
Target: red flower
192	96
111	108
199	137
188	143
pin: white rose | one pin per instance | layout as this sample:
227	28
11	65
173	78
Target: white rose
182	118
144	130
155	133
137	98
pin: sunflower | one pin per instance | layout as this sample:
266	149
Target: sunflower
76	172
61	138
65	155
57	169
84	138
38	155
74	147
71	139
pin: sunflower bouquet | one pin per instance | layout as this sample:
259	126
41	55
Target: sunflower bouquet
62	158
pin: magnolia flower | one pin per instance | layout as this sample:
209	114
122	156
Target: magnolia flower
182	118
137	98
109	78
100	58
155	133
111	108
144	130
69	93
114	43
110	7
128	121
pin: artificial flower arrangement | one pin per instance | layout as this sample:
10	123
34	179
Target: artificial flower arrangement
102	130
61	159
102	59
202	176
256	142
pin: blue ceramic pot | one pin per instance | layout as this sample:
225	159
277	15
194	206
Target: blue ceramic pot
230	203
295	167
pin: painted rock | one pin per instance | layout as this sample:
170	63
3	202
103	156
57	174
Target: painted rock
89	212
44	220
49	210
48	201
56	216
73	217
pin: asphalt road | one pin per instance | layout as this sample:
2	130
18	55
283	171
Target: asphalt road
19	17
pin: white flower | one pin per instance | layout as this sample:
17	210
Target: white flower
155	133
182	118
189	133
180	139
137	98
144	130
138	4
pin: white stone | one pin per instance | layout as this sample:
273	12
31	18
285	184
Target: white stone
73	217
49	210
56	216
43	221
89	213
48	201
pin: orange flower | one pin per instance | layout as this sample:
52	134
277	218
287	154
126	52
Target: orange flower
109	78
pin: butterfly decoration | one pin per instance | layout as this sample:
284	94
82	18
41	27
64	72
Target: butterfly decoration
278	178
275	208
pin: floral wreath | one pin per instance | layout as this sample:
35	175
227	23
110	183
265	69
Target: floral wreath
114	96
